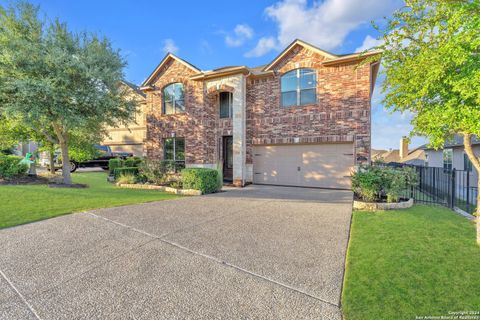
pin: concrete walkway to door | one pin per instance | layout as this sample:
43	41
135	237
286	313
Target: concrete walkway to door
261	252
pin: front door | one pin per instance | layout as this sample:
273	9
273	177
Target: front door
228	158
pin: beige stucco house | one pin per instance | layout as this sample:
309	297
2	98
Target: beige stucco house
130	138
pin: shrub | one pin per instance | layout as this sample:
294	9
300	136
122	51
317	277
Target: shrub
158	171
367	184
126	178
114	163
132	162
117	172
397	181
202	179
374	183
177	184
10	166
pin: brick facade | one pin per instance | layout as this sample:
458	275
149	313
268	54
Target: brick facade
196	125
342	111
341	114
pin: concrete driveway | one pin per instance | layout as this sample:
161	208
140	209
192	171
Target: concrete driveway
260	252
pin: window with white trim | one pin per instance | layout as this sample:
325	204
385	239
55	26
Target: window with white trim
173	99
174	150
447	159
298	87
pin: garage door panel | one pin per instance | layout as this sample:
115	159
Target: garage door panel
316	165
273	168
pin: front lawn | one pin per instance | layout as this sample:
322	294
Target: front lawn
27	203
422	261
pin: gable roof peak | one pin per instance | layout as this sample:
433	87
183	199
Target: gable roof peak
165	59
304	44
331	58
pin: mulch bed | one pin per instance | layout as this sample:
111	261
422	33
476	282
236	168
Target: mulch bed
382	200
51	182
29	180
73	185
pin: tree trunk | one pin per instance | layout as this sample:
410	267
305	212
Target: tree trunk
467	142
63	142
67	177
51	156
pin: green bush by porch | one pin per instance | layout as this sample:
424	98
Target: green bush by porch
117	172
203	179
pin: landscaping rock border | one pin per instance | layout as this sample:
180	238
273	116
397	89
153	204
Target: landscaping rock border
185	192
374	206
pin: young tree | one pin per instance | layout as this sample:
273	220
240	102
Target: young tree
431	55
58	83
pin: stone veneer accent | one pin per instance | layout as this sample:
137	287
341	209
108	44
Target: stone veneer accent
341	114
236	126
374	206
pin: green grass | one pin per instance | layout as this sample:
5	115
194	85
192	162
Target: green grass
405	263
27	203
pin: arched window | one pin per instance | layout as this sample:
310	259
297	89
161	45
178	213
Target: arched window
299	87
173	98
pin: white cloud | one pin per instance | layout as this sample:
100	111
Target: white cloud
169	46
368	43
264	45
325	24
205	47
242	32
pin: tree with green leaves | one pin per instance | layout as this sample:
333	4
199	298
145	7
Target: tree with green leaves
62	85
431	58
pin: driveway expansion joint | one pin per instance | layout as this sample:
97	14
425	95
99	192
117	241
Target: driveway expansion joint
221	262
20	295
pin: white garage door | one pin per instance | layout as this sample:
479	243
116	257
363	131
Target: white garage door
307	165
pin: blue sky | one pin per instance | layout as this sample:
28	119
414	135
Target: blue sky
211	34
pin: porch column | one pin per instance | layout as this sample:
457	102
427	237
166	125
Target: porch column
239	131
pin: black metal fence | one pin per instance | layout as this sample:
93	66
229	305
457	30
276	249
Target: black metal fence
450	188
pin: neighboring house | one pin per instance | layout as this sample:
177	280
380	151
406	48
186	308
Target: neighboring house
414	157
130	138
453	156
303	119
23	148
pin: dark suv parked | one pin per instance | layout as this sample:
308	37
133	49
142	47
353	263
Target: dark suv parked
105	154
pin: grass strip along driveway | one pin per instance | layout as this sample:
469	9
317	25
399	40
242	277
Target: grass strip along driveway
20	204
417	262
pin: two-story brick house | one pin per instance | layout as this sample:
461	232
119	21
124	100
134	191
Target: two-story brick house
303	119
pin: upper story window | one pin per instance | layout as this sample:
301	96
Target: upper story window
173	98
226	100
299	87
447	159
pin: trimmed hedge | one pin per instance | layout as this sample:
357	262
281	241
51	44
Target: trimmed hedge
10	166
132	162
114	163
124	171
202	179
